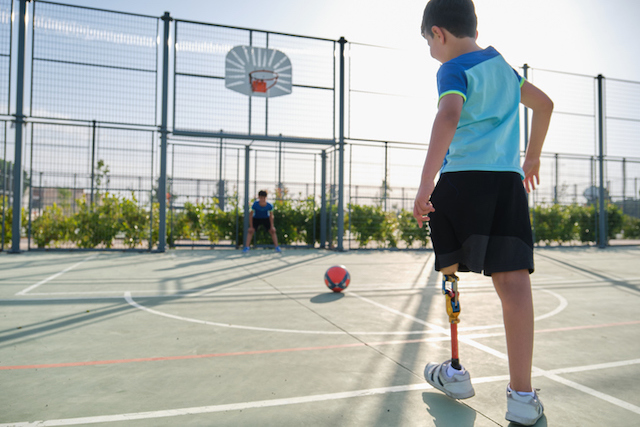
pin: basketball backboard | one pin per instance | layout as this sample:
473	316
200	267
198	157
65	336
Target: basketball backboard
256	71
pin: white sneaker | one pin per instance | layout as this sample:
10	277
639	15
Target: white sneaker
525	410
457	386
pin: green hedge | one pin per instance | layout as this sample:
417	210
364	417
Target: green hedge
564	224
197	220
6	218
297	221
94	225
373	224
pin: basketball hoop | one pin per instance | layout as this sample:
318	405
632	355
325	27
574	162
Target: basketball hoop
259	72
262	80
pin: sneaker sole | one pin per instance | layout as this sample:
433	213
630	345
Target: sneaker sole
455	395
522	421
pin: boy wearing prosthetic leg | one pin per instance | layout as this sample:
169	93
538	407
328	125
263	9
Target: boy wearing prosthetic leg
478	211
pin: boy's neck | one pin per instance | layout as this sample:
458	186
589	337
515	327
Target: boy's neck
460	46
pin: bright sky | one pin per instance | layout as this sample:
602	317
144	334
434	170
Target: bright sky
587	37
578	36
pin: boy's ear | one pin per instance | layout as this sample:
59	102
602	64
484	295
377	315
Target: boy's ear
438	34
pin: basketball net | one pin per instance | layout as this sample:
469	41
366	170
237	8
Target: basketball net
262	80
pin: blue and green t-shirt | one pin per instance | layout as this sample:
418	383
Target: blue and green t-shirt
261	211
488	134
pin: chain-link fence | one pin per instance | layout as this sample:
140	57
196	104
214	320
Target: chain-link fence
622	112
384	173
85	176
96	149
90	147
203	103
206	185
591	159
227	146
6	142
6	185
90	64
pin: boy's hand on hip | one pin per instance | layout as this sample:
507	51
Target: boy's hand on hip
422	206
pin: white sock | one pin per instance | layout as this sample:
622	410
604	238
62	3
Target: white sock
451	371
522	393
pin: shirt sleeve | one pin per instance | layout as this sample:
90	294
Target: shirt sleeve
451	79
521	79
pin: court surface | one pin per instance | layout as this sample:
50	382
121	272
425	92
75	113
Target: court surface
218	338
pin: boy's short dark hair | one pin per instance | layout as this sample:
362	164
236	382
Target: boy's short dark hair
456	16
262	193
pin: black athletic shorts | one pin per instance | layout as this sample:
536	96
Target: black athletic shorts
481	221
264	222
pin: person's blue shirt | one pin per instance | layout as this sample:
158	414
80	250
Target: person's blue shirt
488	134
261	211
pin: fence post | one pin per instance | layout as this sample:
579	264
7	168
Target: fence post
162	180
4	185
323	201
17	163
152	134
602	241
342	42
247	165
595	200
237	197
624	184
386	173
30	208
93	164
280	186
221	182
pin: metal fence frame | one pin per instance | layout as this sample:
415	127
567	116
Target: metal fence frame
611	175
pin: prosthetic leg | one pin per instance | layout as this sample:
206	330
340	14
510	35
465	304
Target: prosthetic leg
453	310
458	385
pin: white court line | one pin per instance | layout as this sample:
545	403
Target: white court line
399	313
129	299
293	290
562	306
42	282
326	397
541	372
221	408
595	393
563	303
433	327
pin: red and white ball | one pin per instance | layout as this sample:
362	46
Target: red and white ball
337	278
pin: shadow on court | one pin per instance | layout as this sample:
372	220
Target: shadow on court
220	338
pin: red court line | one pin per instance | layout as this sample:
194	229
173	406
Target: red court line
193	356
281	350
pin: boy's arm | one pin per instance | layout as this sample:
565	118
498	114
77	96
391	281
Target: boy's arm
271	217
542	107
444	128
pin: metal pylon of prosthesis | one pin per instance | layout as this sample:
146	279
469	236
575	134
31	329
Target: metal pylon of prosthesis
453	310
